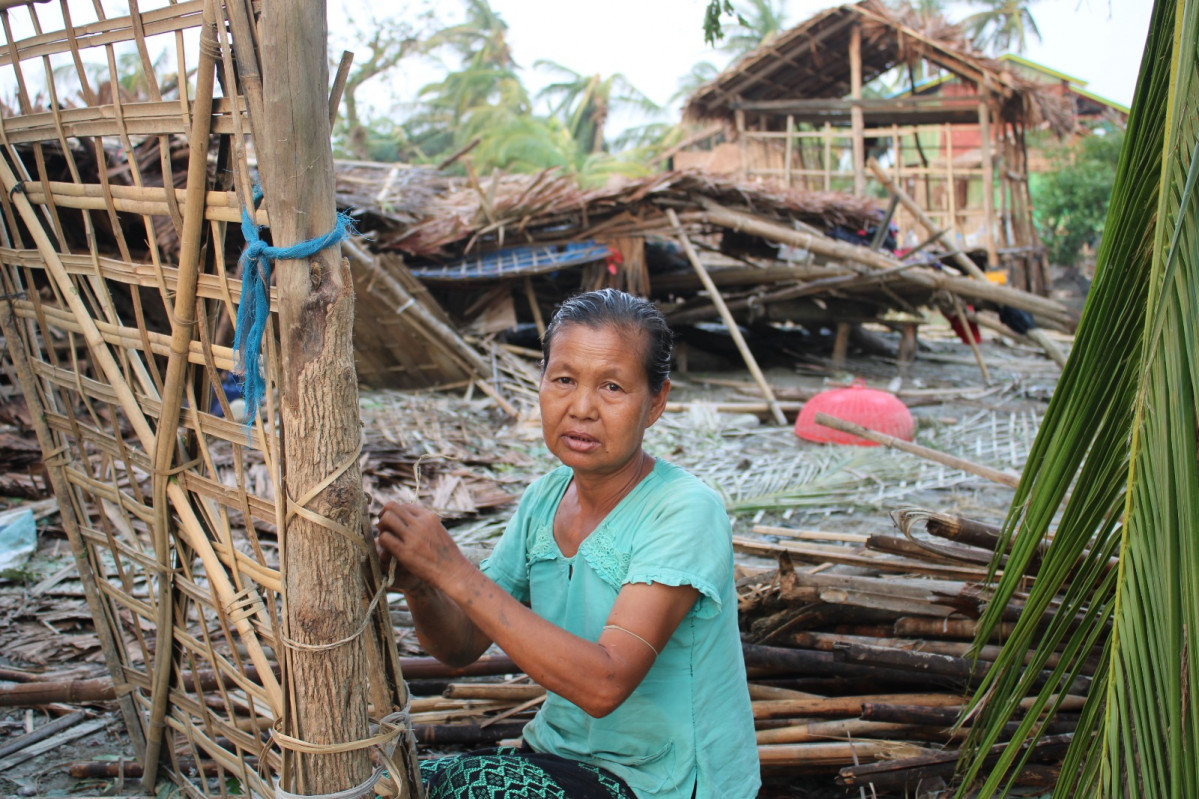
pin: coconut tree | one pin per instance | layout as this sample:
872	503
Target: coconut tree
585	102
700	74
1002	26
1116	462
757	21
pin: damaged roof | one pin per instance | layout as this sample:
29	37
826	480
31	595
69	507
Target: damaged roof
811	62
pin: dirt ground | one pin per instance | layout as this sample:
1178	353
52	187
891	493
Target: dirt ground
768	475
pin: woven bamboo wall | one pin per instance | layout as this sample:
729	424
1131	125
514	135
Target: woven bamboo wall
170	506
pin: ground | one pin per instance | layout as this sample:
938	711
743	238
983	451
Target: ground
768	475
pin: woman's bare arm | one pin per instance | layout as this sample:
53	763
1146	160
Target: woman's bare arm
595	675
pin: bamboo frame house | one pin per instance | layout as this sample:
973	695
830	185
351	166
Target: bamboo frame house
796	112
225	563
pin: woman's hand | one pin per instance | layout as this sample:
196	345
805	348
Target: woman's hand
413	538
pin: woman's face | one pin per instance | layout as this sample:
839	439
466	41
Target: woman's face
595	398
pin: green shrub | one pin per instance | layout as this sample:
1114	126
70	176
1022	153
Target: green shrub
1070	203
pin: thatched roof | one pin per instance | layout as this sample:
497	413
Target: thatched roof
551	207
811	62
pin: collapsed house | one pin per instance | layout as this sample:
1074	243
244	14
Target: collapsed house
482	263
794	111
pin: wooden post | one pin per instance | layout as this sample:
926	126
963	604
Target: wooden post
907	348
951	188
727	316
828	157
988	166
790	142
841	344
855	111
322	563
742	144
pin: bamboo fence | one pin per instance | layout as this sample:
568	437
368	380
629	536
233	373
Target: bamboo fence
121	347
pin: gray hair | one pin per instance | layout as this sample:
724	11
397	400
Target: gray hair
614	308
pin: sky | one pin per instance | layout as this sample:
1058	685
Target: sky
653	43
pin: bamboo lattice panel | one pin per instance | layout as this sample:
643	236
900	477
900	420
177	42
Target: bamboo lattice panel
169	504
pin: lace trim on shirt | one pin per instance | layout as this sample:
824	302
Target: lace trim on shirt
601	553
543	546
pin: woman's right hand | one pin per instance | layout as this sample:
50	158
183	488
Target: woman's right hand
413	538
395	575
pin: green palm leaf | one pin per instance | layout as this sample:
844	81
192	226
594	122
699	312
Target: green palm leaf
1121	437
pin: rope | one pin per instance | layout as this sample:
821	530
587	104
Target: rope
390	727
255	264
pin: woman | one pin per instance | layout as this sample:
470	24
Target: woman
627	564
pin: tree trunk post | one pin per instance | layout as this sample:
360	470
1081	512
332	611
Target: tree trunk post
322	569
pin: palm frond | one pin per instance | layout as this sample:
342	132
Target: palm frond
1120	437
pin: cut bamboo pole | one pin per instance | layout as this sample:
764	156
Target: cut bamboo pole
510	693
1003	478
734	331
166	440
988	167
960	312
831	754
322	545
824	730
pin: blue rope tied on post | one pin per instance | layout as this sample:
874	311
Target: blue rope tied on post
255	263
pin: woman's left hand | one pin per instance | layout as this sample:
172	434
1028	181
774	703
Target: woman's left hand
415	537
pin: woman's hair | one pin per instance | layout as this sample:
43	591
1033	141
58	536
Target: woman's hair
614	308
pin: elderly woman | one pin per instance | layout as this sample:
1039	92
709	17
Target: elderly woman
612	587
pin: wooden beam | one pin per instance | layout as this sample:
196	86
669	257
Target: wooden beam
731	323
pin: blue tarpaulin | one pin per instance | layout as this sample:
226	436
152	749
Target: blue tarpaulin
516	262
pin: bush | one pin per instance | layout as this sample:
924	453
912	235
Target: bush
1071	202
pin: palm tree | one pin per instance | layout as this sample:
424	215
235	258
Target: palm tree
481	39
761	20
1003	26
584	102
1116	456
700	74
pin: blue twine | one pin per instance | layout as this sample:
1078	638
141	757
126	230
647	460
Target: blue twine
252	313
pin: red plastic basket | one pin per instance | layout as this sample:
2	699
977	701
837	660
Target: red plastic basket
877	410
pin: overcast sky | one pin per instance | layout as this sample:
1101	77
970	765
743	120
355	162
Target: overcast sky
654	43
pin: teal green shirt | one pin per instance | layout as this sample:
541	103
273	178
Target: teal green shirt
689	723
